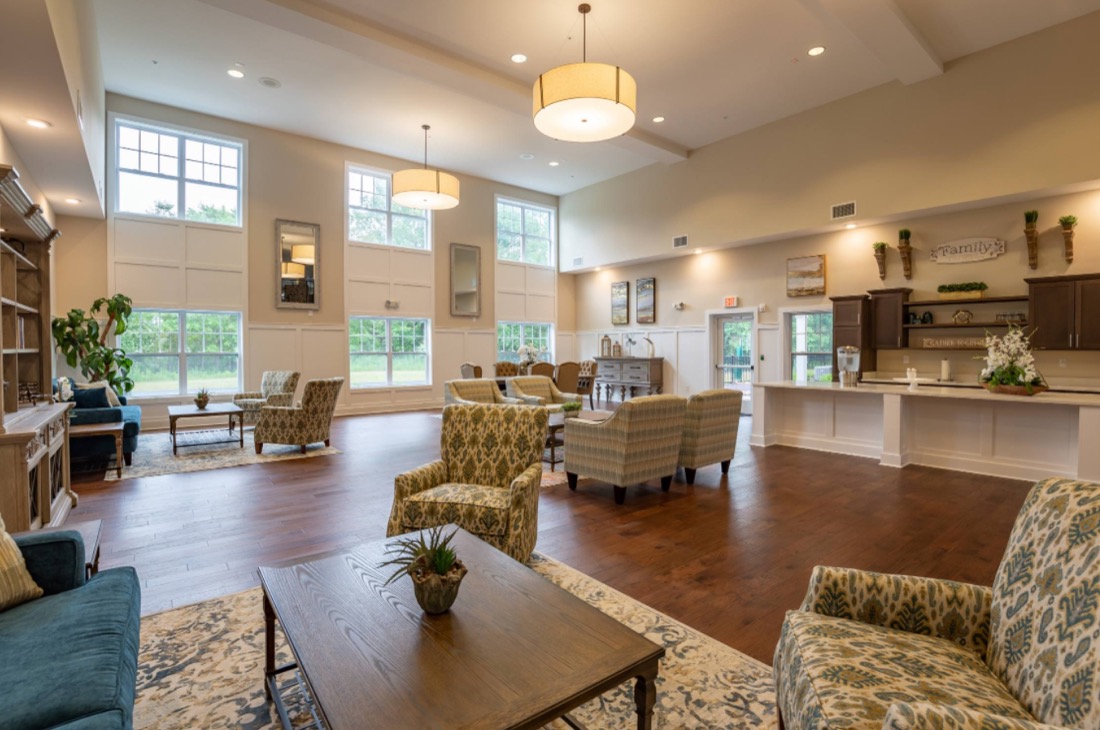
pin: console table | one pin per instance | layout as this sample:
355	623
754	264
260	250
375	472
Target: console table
629	374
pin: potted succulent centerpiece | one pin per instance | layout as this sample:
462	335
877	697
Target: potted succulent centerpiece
963	290
906	252
1010	365
880	257
572	409
1068	223
433	566
202	399
1031	233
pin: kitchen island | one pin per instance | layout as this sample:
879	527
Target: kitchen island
964	429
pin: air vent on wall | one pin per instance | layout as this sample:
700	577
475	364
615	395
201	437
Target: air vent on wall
844	210
680	242
578	261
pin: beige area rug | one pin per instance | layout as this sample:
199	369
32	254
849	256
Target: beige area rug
202	667
154	453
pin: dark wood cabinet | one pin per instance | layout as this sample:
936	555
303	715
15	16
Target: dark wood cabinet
852	326
888	318
1064	312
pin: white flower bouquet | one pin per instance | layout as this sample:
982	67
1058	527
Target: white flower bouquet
527	355
1010	362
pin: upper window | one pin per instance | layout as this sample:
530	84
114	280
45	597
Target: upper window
176	352
510	335
373	217
525	232
387	351
812	347
177	175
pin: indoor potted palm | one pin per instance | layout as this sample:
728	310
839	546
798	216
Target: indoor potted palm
1068	223
880	257
433	566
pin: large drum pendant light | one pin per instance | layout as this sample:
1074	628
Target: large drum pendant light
585	102
423	188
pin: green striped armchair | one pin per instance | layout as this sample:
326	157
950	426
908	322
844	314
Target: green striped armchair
710	430
868	650
539	390
487	480
640	442
471	391
276	389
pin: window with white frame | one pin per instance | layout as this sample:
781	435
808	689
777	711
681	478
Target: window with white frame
373	217
811	346
511	335
525	232
179	352
173	174
387	351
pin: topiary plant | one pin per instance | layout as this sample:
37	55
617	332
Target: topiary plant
1068	221
84	343
1031	217
879	246
904	234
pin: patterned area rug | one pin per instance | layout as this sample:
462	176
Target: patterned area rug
154	453
201	666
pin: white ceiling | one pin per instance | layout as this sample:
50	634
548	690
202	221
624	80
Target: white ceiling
368	73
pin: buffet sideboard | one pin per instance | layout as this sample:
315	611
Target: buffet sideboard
631	375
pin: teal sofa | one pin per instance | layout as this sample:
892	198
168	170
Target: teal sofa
69	659
101	448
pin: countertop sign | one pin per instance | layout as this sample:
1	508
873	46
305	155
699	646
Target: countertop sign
966	250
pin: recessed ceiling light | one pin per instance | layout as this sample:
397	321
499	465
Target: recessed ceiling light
850	226
236	73
38	123
816	50
554	163
72	201
527	156
518	58
658	120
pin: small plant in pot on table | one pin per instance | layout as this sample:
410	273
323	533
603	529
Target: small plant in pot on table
572	409
434	567
202	399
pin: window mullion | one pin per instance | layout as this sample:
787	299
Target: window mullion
181	346
389	352
181	163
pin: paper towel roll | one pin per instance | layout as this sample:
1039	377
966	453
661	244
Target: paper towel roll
945	369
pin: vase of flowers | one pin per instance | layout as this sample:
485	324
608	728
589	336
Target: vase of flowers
1010	365
433	566
528	356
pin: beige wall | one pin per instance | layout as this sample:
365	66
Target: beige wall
1015	118
80	267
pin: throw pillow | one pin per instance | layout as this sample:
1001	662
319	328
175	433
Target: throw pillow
16	584
91	398
112	397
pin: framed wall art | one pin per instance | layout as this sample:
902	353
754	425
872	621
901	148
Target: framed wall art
646	297
806	276
620	302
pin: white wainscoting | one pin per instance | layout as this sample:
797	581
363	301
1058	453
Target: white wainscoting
525	293
375	275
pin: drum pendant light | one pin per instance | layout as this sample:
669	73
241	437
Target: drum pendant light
423	188
585	102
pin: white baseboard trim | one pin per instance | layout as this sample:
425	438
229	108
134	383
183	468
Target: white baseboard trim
832	445
989	467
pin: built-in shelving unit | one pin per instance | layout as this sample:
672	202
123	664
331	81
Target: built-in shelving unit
946	325
970	300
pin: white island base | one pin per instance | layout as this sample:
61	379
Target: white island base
965	429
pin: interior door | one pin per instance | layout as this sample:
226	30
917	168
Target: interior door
734	367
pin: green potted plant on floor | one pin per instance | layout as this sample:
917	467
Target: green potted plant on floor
1068	223
83	342
879	248
1031	233
433	566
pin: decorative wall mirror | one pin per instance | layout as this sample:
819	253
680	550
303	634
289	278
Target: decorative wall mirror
298	258
465	280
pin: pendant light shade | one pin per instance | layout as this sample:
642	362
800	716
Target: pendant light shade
292	270
302	254
424	188
585	102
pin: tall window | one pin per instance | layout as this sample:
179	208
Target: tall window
177	352
525	232
388	352
174	174
812	347
373	217
510	335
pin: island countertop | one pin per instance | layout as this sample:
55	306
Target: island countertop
943	391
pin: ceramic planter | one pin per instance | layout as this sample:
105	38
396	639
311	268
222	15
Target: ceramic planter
437	593
202	403
1067	236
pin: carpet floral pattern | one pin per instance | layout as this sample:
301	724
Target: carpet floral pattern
202	666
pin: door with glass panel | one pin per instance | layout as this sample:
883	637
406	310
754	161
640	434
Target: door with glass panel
735	368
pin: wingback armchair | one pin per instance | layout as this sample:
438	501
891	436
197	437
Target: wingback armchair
539	390
304	424
476	390
640	442
276	389
710	430
505	369
487	479
868	650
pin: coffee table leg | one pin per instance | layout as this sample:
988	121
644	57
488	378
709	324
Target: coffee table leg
240	427
172	428
645	695
269	645
118	455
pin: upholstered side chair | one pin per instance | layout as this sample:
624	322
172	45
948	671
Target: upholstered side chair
868	650
567	377
586	380
640	442
469	370
486	480
545	369
505	369
710	430
539	390
473	391
306	423
276	389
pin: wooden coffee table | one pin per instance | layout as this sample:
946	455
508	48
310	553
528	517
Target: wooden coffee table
515	651
554	453
175	413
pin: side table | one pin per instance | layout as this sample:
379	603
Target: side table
102	429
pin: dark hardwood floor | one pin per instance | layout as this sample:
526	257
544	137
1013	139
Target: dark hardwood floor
727	556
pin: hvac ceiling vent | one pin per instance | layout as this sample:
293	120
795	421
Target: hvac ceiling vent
680	242
843	210
578	261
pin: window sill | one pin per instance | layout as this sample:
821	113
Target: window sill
390	247
378	388
547	267
120	215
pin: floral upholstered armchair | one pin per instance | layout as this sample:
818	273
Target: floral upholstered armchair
710	430
539	390
304	424
276	389
487	480
474	391
640	442
868	650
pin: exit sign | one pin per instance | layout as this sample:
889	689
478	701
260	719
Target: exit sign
730	302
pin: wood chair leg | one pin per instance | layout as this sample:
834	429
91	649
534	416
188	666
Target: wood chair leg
259	448
690	475
303	448
666	483
620	494
572	479
726	466
328	442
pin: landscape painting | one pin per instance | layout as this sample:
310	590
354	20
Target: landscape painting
645	297
620	302
806	276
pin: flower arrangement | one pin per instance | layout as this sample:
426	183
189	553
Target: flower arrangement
528	355
1010	362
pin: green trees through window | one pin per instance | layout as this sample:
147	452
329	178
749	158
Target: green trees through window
510	335
811	347
373	217
177	352
389	352
525	233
